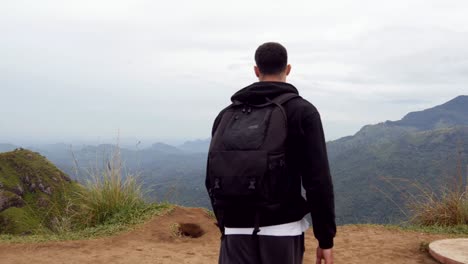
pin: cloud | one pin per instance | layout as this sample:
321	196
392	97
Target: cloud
157	70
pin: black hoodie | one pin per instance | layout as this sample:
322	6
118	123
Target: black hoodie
306	159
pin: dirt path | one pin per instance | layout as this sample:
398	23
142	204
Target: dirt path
154	243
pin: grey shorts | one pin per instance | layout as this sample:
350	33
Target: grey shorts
246	249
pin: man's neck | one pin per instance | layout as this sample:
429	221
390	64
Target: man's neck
272	79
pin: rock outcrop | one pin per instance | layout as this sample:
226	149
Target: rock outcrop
9	199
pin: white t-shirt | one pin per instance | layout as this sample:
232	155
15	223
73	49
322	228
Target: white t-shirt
288	229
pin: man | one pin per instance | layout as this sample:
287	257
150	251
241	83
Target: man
253	234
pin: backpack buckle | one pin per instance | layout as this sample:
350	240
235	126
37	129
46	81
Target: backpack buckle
216	184
252	184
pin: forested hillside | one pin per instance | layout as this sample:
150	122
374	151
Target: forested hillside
372	170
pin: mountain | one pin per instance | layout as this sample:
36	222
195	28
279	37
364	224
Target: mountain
166	172
372	170
33	192
200	146
165	148
375	169
452	113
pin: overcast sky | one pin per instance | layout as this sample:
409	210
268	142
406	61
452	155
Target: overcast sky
161	70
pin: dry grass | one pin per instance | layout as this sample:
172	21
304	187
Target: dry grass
110	194
175	230
448	207
111	202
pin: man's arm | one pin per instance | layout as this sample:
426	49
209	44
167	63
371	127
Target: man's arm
316	179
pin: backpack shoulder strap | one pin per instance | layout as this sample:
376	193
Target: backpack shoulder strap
283	98
279	100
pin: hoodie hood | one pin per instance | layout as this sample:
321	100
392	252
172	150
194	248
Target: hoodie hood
259	91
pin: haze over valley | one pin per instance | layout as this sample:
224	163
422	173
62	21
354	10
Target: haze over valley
426	147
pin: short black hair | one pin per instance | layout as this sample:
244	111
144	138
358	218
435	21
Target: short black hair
271	58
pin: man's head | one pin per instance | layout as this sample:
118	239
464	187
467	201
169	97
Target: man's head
272	62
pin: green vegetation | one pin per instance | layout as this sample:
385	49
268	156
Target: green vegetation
441	210
110	202
167	173
422	147
33	192
111	227
448	209
110	196
365	175
445	210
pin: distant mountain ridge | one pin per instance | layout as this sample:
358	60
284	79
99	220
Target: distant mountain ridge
165	148
423	146
451	113
200	145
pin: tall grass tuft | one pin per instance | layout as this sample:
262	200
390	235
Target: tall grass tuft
449	207
111	195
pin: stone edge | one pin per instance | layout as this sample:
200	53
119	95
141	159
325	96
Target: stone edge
442	259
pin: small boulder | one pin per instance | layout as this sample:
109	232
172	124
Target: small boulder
48	190
18	190
45	189
9	199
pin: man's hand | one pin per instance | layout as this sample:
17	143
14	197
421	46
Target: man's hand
325	254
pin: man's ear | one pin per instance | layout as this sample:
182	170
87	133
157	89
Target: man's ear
288	69
257	71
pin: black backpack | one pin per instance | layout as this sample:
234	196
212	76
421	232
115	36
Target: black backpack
246	160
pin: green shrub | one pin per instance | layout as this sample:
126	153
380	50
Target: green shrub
111	201
448	207
110	195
